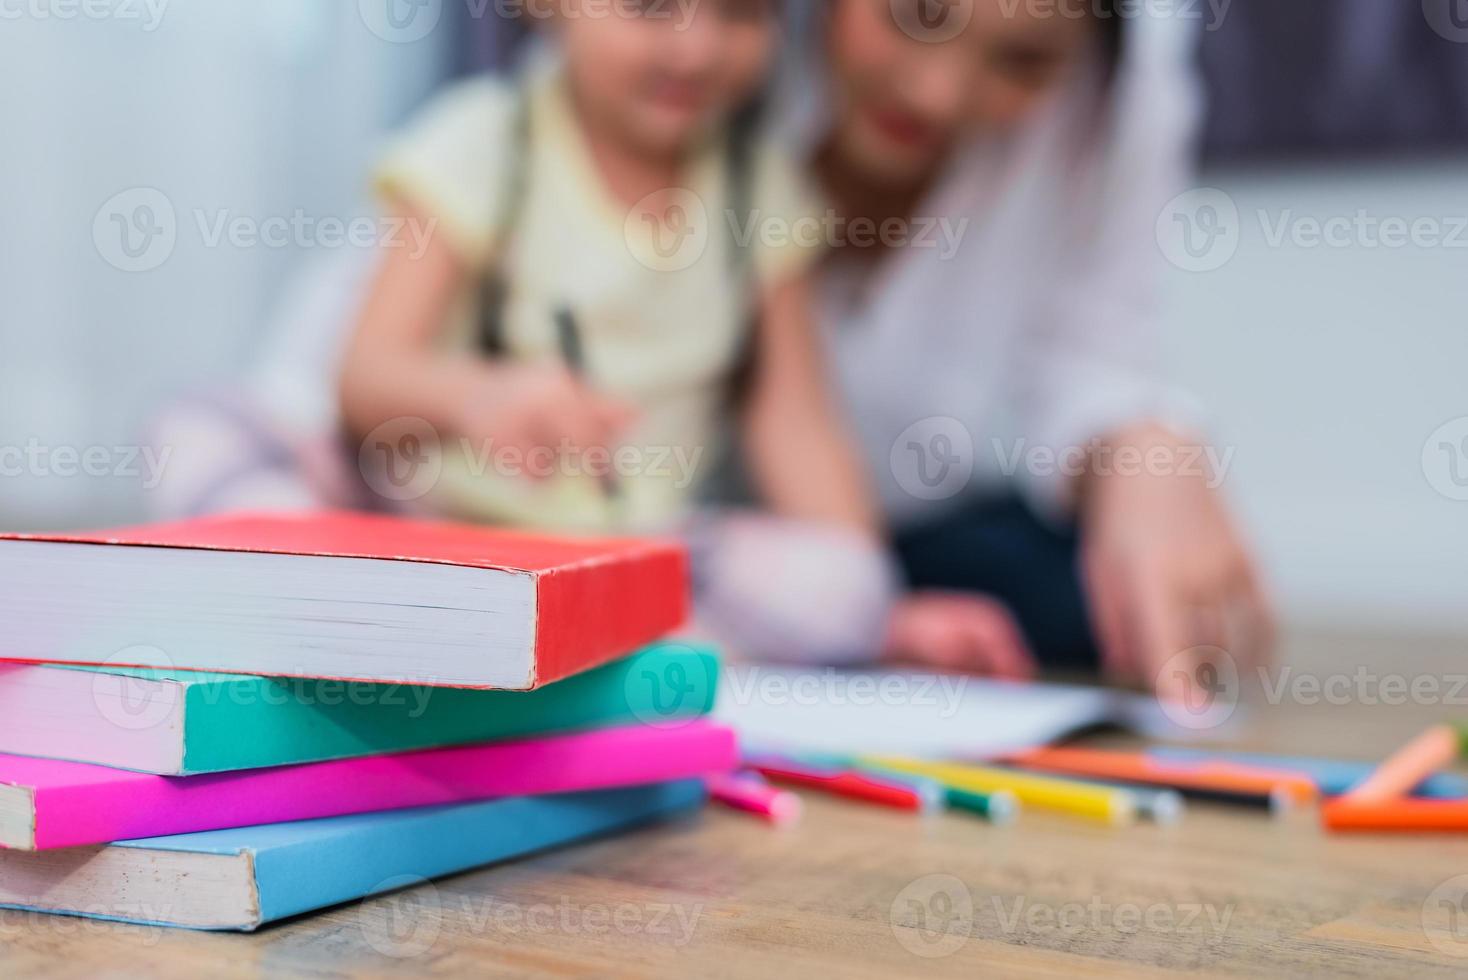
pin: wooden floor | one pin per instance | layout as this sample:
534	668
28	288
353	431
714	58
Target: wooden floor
856	892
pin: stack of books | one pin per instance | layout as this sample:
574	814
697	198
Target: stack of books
225	722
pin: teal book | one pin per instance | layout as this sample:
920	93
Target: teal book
180	723
244	878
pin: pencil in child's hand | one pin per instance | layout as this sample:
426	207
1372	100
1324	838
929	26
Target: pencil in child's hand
573	352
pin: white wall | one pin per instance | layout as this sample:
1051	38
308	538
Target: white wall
254	107
1327	369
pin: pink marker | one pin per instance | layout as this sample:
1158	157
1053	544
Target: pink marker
750	793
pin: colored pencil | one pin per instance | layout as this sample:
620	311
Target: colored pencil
1160	806
1106	804
1333	777
1402	815
850	784
750	793
1218	781
998	807
1429	752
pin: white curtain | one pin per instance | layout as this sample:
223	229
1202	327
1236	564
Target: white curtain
228	112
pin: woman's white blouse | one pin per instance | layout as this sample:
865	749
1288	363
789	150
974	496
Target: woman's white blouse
1021	322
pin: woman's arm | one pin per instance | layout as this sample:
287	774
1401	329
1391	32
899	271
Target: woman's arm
1169	578
804	463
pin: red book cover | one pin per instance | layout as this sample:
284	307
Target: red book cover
595	598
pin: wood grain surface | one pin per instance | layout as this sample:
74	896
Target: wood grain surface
854	891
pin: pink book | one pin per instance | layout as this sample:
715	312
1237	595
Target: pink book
47	804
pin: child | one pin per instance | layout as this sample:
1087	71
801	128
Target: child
575	333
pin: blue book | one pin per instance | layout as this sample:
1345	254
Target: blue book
241	879
1332	776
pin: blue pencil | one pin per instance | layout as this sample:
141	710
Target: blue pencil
1333	776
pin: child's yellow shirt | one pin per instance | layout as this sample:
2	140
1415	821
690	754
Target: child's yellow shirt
661	306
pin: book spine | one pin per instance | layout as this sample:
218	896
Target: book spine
258	723
392	854
588	614
112	805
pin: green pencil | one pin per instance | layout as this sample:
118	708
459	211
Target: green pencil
997	807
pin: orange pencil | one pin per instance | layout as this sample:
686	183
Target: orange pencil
1428	753
1404	816
1221	780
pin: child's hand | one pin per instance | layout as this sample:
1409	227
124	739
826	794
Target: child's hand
958	631
542	410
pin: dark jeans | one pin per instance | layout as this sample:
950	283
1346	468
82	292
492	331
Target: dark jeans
999	548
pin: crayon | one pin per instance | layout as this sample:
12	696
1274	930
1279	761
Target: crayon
1217	781
747	792
998	807
1429	752
1332	776
1103	803
853	785
1401	815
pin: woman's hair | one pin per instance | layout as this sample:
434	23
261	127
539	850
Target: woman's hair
1111	25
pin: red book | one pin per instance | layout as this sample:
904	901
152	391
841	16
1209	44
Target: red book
339	595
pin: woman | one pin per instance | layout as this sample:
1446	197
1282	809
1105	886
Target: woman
995	341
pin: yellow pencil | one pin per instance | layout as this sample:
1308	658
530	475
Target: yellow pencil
1107	804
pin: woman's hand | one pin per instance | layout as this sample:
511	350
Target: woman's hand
959	632
1169	579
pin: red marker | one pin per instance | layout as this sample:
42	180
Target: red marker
851	785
